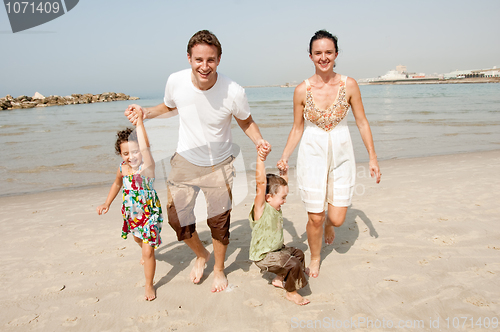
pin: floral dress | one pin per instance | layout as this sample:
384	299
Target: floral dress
141	209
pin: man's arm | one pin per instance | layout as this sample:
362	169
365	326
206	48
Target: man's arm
149	113
251	129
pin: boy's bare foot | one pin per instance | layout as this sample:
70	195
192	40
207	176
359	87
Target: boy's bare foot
220	281
313	269
329	233
142	261
278	281
198	268
296	298
150	294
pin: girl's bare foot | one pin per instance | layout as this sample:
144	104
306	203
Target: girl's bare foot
278	281
198	268
313	269
150	294
329	233
296	298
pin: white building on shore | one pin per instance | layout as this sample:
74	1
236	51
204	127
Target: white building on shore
493	72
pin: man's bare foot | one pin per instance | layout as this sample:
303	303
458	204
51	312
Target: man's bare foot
313	269
296	298
220	281
150	294
278	281
329	233
198	268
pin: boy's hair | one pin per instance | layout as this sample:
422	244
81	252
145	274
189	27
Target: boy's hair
274	182
125	135
204	37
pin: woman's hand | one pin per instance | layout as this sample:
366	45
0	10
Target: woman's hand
375	170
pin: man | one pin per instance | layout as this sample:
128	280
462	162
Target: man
206	101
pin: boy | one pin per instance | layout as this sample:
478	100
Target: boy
267	248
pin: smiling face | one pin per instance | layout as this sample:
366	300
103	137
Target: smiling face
323	54
131	155
204	60
278	199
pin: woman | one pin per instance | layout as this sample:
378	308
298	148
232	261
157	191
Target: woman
325	164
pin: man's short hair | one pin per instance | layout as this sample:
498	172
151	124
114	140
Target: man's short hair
204	37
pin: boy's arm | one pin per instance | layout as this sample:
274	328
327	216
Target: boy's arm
113	191
260	196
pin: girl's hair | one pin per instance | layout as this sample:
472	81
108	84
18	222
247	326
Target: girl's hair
125	135
320	34
274	182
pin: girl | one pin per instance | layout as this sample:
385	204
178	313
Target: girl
141	209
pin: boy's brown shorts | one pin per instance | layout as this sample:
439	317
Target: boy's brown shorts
183	185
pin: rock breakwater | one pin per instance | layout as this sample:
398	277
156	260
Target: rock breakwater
8	102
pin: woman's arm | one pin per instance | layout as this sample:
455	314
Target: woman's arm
358	111
297	128
113	191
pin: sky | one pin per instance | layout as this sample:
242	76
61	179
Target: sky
132	46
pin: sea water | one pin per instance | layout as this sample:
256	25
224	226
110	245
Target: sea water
72	146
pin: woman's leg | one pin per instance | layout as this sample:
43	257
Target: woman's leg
336	217
314	231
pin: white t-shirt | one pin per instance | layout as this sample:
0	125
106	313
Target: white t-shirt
205	116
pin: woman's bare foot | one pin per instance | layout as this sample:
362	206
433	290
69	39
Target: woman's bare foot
313	269
296	298
150	294
329	232
278	281
198	268
220	281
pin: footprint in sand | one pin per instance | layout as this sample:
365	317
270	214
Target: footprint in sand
477	301
73	321
252	303
444	240
89	301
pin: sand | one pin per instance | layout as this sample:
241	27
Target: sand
420	250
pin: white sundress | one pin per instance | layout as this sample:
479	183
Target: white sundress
326	169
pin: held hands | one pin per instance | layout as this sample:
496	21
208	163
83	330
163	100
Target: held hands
263	149
102	209
132	113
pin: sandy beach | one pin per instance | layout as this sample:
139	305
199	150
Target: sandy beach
420	251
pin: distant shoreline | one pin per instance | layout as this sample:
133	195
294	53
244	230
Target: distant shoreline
436	81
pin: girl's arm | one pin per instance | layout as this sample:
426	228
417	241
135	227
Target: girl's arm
364	127
260	196
113	191
297	128
142	137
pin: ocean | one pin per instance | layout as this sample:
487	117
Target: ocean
61	147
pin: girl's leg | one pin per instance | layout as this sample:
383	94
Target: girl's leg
139	242
148	256
314	231
336	217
